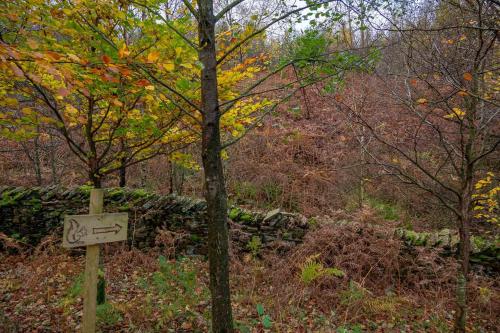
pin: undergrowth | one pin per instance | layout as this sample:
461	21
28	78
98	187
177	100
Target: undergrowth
349	277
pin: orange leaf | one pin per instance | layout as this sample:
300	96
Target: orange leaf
125	71
142	83
467	76
53	55
106	59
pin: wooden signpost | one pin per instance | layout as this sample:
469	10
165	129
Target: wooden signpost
90	231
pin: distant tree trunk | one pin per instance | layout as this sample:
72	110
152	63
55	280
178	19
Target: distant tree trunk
123	166
123	173
53	166
144	175
34	157
215	192
37	162
171	178
303	91
176	178
362	174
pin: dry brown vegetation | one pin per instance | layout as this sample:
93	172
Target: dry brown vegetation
386	286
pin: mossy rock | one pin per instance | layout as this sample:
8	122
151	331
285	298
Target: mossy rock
234	213
246	218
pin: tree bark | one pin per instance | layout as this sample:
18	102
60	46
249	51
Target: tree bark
464	253
101	281
53	166
215	192
123	174
36	161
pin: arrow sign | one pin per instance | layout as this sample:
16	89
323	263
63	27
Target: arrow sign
104	230
83	230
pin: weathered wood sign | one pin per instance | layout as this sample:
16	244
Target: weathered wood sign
83	230
90	231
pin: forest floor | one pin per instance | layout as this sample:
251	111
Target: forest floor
352	278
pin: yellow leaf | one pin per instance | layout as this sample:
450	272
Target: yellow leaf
71	109
27	111
151	88
169	67
11	102
153	56
421	101
123	52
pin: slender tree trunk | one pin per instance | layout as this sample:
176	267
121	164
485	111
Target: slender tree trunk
123	166
101	282
215	192
303	91
362	175
37	162
53	166
171	180
35	159
123	174
464	222
463	275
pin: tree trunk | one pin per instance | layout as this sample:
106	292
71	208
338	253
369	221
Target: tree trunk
144	175
123	166
53	165
215	192
464	252
123	174
95	179
36	161
303	91
101	282
171	178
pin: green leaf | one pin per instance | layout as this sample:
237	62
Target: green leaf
266	322
183	84
260	309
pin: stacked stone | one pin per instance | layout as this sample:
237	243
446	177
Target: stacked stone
29	214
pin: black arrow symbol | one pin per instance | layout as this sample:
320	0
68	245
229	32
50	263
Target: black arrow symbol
104	230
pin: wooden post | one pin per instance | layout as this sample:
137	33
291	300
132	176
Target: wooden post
91	267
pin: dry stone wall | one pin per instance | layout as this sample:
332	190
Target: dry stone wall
29	214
